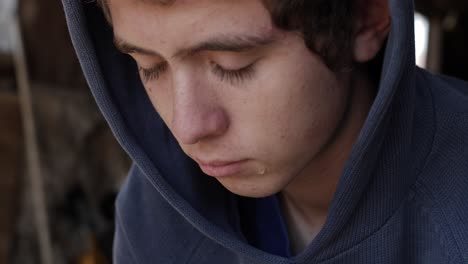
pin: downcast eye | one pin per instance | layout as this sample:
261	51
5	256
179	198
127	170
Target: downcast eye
234	76
153	73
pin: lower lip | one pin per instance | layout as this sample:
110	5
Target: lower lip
223	170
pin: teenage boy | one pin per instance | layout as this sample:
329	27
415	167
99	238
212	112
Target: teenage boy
277	131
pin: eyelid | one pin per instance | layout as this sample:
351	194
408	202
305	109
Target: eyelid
225	68
233	75
246	62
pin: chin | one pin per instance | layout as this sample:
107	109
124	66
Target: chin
250	189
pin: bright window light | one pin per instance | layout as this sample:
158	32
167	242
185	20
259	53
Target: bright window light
421	31
4	39
7	9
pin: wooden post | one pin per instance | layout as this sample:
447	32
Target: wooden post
31	147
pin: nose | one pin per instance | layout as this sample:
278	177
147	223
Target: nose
197	115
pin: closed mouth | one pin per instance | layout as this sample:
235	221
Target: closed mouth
219	168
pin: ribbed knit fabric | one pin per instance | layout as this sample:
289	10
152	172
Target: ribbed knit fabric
402	197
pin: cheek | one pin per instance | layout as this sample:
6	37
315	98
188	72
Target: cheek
161	100
295	116
325	113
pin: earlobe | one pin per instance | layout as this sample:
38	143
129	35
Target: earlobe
372	29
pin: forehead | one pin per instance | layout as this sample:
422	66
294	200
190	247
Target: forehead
149	23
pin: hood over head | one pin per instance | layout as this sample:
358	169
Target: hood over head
384	146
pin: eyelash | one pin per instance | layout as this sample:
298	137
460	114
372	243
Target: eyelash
152	73
232	76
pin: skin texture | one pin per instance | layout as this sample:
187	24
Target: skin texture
290	120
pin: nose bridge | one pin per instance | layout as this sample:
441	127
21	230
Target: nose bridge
196	113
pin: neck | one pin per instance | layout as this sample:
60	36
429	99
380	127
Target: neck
305	201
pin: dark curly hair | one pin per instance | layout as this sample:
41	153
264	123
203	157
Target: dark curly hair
326	25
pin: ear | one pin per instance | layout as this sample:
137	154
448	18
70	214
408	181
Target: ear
372	28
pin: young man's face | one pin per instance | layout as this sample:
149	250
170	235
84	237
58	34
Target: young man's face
247	101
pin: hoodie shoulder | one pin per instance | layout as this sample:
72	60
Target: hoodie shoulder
150	230
442	185
447	162
147	226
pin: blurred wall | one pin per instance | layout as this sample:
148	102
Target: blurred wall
81	163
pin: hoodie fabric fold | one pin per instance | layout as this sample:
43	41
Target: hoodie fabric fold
402	196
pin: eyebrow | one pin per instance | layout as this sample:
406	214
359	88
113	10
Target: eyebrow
235	43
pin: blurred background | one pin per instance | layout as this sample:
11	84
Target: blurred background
60	167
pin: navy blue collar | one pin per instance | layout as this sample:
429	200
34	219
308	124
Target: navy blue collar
263	225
